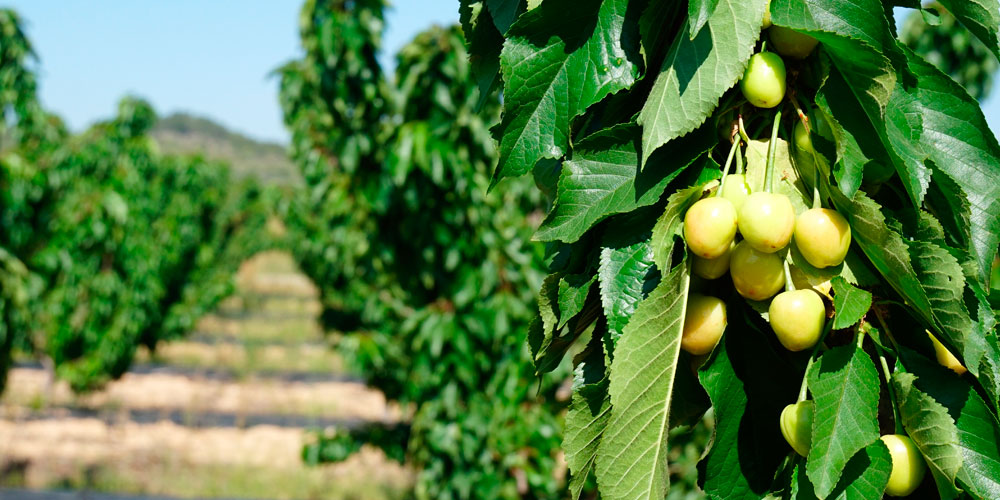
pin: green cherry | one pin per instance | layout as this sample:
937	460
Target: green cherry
796	426
908	466
766	221
710	226
763	82
704	323
756	275
797	317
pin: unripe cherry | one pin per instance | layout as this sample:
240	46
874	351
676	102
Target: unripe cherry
908	466
710	226
766	221
703	324
823	236
797	317
796	426
791	43
763	82
711	269
756	275
802	139
944	357
735	189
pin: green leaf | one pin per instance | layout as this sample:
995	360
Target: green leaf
555	66
587	416
504	12
981	17
696	72
603	179
749	385
849	303
632	459
932	430
573	291
865	476
698	13
978	432
845	389
856	35
484	42
622	273
953	126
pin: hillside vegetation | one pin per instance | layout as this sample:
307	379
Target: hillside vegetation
182	133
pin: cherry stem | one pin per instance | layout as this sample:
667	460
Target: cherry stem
789	284
888	384
772	151
742	129
804	388
729	163
885	328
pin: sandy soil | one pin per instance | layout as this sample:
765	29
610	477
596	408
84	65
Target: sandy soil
156	391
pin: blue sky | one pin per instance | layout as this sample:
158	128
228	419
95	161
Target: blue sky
207	57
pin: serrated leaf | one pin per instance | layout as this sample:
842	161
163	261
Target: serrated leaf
603	178
622	273
932	430
558	60
845	389
484	42
849	303
504	12
749	384
856	35
696	72
980	17
978	432
586	419
698	13
587	416
632	458
953	126
573	291
865	476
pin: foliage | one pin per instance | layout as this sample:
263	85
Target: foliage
425	277
106	244
936	35
624	110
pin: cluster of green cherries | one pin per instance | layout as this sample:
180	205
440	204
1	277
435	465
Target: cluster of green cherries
758	266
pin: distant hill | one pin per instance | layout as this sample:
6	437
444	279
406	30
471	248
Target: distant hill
181	133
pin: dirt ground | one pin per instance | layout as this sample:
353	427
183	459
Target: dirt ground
274	361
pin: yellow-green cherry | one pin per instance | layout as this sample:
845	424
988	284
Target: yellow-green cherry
766	221
797	317
908	466
791	43
796	426
823	236
763	82
944	357
802	139
736	190
711	269
710	226
756	275
704	323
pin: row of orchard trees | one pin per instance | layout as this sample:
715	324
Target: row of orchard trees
426	277
105	244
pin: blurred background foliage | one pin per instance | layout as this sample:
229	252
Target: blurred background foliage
425	277
106	243
935	34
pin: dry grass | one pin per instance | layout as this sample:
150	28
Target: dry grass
168	459
160	391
